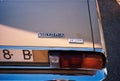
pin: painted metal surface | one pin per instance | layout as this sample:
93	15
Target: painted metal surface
21	21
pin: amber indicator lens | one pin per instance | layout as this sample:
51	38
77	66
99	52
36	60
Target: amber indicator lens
92	61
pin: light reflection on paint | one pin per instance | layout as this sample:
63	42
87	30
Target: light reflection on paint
18	37
118	1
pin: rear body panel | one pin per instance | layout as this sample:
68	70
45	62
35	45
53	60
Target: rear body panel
48	25
21	21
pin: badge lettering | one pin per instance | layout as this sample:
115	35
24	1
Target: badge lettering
50	35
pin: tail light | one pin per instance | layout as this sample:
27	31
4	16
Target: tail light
94	61
77	59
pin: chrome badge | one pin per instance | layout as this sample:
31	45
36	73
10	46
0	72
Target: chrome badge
50	35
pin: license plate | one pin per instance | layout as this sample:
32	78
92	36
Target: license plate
24	56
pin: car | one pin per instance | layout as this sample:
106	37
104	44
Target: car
51	40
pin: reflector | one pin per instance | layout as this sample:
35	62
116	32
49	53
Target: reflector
64	62
75	62
70	60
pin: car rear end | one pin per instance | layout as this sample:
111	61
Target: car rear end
51	40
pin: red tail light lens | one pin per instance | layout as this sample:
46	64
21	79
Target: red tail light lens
82	60
70	61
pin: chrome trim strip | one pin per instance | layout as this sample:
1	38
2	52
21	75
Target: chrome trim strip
50	71
99	50
46	48
24	67
37	67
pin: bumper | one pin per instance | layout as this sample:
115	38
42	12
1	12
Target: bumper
99	76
